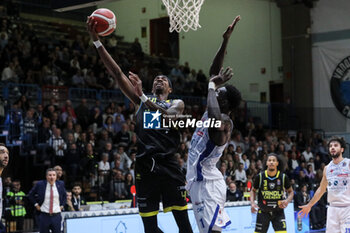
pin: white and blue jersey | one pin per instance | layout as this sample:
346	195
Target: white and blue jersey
203	155
205	183
338	177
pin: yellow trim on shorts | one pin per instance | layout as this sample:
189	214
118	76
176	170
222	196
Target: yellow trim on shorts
149	214
175	207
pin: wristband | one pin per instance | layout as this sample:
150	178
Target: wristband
211	85
143	98
97	43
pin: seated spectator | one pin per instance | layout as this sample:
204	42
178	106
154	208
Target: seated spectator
232	193
91	81
59	171
104	166
231	168
201	78
118	123
123	136
69	205
310	174
77	199
318	161
109	126
107	149
58	145
293	162
223	169
68	115
124	158
82	112
29	130
307	154
136	48
129	181
245	162
9	74
116	164
104	140
288	144
88	161
301	177
252	171
78	79
302	197
72	160
240	175
117	186
69	139
95	118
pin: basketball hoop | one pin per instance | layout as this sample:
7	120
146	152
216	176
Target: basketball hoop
183	14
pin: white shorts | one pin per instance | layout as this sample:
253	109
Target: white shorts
208	201
338	219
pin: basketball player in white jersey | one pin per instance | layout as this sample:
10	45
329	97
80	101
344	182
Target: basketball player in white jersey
205	182
336	179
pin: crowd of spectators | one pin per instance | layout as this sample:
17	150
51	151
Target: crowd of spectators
96	144
27	56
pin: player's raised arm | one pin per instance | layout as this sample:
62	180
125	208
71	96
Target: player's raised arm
305	209
219	135
219	57
112	67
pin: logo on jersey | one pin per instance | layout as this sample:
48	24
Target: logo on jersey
155	120
344	164
345	182
272	185
278	182
200	133
329	183
335	183
151	120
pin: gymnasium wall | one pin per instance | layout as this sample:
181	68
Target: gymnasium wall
330	46
255	44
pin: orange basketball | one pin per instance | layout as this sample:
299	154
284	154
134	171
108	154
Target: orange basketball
106	21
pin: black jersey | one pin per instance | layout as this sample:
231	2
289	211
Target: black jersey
271	190
161	144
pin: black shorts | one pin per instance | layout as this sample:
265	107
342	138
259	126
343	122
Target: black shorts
153	187
276	217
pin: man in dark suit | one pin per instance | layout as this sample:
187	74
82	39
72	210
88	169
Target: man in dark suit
49	197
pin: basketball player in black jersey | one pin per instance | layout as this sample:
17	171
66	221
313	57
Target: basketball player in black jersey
158	174
270	185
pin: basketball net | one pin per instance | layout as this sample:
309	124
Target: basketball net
183	14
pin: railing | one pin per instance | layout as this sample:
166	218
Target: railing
60	93
259	110
12	91
107	96
76	94
272	115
